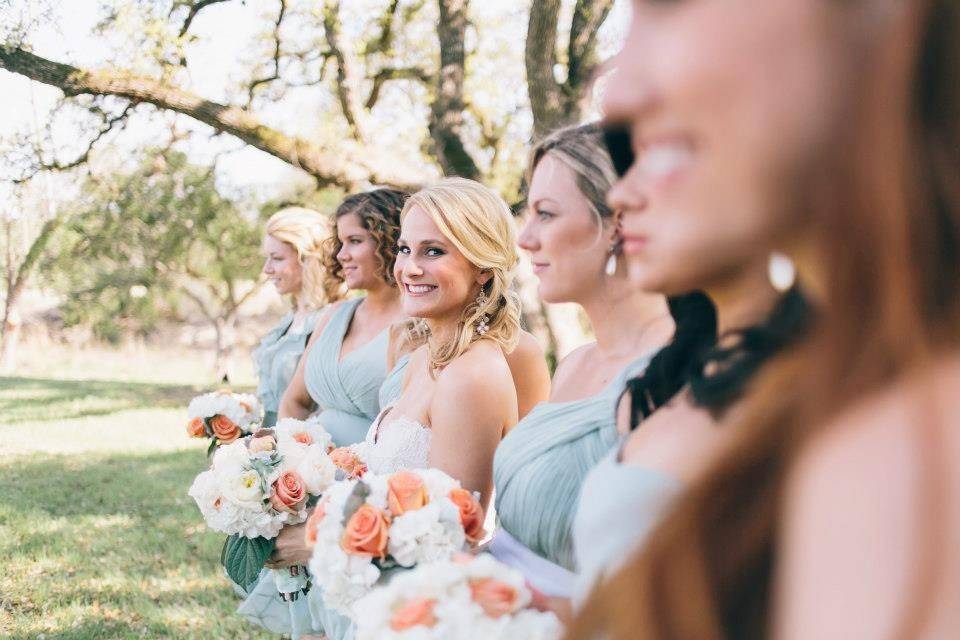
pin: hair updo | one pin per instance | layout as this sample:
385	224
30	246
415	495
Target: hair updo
479	224
582	150
305	231
379	212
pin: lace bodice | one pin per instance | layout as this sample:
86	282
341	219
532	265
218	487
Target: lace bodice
401	444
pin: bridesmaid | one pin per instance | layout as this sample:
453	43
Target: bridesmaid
293	246
677	405
346	361
342	370
833	510
573	238
455	266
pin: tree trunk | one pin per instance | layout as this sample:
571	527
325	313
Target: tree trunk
446	119
10	330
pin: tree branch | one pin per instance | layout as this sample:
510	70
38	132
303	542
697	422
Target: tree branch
384	41
346	89
195	8
446	113
328	168
588	16
391	73
276	56
108	125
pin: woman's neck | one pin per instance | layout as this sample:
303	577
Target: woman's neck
626	320
743	300
382	300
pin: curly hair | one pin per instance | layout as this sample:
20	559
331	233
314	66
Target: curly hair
478	222
379	212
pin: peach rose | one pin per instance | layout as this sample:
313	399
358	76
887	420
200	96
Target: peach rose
313	523
224	429
416	612
471	513
288	494
196	428
405	492
366	532
262	443
303	437
350	462
494	597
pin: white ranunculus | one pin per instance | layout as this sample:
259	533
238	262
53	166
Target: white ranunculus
245	489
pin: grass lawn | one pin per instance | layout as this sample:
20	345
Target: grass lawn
98	538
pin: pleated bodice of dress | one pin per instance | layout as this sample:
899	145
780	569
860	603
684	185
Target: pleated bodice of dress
348	389
392	386
540	465
276	359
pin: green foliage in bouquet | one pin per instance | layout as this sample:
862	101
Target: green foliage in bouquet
243	558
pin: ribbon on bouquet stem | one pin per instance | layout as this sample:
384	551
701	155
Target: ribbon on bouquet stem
292	582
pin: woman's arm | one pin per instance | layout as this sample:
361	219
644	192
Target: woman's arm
531	377
474	401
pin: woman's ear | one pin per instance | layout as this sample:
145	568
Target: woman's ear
483	277
616	224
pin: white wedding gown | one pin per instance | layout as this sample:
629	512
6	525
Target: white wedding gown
401	444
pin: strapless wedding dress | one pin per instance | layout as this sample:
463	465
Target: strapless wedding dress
401	444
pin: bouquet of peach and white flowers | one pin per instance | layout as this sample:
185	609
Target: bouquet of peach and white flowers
465	597
222	416
257	485
365	526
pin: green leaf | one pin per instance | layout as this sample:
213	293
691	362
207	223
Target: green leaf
212	448
243	558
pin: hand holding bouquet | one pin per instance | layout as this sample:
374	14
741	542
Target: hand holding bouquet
378	522
463	598
259	484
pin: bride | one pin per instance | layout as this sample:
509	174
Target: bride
455	261
454	265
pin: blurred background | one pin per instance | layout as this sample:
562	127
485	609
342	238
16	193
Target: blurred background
143	144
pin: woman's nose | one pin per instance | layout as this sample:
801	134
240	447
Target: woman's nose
528	239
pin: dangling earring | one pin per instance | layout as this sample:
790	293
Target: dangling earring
781	271
483	323
614	254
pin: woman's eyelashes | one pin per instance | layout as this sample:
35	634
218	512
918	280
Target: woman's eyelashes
544	215
430	252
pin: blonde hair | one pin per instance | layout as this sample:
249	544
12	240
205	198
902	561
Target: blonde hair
582	150
479	224
305	231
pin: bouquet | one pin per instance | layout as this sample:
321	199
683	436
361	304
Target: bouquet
222	416
365	526
462	598
257	485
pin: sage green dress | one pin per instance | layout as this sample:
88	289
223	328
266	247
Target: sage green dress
392	386
347	392
538	470
276	359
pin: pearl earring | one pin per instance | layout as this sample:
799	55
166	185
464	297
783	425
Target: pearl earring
781	271
614	253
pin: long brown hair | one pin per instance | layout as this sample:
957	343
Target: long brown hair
888	232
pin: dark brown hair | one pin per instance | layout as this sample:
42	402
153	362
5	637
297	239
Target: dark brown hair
379	212
887	221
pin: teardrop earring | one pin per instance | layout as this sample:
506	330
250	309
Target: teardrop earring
781	271
614	255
